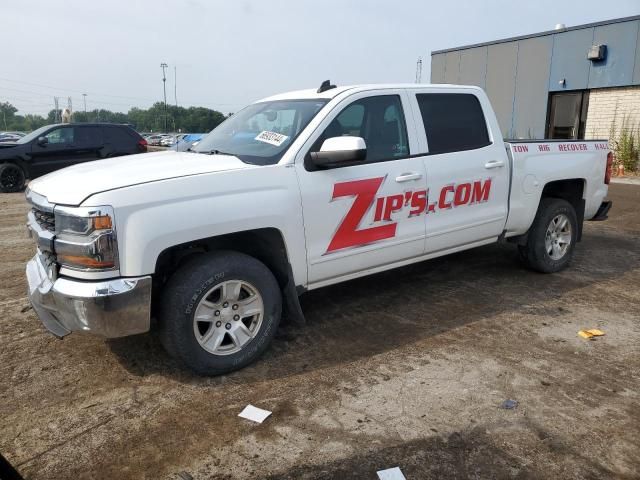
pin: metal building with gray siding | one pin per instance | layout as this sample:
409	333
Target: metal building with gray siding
566	83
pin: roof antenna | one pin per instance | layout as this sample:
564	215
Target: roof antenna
326	85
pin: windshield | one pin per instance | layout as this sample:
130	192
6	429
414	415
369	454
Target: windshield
262	132
35	134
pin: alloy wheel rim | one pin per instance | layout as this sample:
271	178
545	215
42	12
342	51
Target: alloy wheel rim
228	317
9	178
558	237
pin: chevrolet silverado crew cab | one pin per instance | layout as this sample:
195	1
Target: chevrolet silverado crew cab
293	193
53	147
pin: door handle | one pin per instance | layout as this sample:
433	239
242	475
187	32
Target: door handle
407	177
494	164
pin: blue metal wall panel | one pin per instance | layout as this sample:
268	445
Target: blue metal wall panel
569	60
617	68
636	71
501	82
437	68
519	73
473	66
530	103
452	67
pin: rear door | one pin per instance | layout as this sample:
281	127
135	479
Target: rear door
89	143
467	171
368	215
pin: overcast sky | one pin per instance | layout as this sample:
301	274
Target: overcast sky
230	53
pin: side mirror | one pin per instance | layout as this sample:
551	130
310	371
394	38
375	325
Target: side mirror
338	151
42	141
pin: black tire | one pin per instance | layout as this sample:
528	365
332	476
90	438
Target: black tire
187	287
12	178
534	254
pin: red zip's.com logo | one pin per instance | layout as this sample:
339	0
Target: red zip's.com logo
417	202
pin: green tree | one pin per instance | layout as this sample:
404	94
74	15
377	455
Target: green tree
7	112
191	119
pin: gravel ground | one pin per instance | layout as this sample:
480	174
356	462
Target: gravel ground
406	368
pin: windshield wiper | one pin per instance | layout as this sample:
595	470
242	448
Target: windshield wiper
217	152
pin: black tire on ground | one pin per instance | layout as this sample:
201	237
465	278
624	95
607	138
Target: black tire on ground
12	178
195	280
534	254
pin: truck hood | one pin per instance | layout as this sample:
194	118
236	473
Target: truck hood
72	185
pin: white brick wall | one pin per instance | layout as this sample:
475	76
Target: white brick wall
607	103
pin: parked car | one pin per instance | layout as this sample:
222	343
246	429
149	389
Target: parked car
188	141
168	141
9	137
19	134
157	138
294	193
57	146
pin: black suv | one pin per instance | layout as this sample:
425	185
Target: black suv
57	146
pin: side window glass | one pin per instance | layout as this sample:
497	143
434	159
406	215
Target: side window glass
350	121
60	136
88	136
453	122
379	121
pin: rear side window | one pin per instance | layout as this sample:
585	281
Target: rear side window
453	122
89	136
118	136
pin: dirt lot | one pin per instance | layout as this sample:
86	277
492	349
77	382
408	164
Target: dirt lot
406	368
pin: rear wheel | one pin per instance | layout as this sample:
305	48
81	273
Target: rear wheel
12	178
219	312
552	236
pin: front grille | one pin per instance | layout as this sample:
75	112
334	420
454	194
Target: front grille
46	220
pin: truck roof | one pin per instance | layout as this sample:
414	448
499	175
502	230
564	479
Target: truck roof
312	93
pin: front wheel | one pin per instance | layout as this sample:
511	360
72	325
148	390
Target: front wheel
12	178
219	312
552	236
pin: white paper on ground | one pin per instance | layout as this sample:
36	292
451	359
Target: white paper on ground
391	474
254	414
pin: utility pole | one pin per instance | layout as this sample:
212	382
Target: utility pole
175	94
175	84
419	70
84	98
55	111
164	88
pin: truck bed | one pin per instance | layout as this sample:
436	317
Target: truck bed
537	163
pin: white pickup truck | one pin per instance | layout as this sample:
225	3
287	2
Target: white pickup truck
292	193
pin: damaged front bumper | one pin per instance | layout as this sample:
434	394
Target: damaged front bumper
110	308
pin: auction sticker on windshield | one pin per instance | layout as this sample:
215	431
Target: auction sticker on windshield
272	138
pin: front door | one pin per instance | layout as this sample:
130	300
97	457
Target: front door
364	216
568	115
58	152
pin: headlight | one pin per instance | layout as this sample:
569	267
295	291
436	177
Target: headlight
86	238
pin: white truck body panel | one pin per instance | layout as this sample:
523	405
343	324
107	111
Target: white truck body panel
73	185
162	200
535	164
155	216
